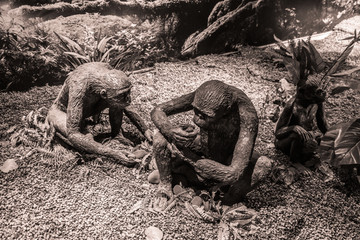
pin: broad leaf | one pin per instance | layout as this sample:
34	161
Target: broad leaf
340	143
102	44
347	152
70	44
339	89
105	57
280	44
340	60
316	60
346	72
293	66
326	148
76	55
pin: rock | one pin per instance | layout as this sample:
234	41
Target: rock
262	169
154	177
153	233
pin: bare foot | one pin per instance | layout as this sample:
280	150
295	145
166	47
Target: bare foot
163	197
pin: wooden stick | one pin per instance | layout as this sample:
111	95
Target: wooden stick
318	36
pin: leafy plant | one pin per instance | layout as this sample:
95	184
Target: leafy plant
302	59
101	51
340	148
341	144
355	38
25	59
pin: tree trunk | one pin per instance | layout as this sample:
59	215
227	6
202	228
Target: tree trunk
219	35
117	7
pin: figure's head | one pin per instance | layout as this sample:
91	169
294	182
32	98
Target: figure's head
311	91
115	89
212	101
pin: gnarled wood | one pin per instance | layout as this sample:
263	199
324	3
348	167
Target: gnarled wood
117	7
215	37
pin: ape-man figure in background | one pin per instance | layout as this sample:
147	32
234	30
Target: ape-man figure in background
220	154
302	124
89	89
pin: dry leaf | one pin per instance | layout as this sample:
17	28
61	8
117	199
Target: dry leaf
153	233
136	206
9	165
154	177
139	153
224	231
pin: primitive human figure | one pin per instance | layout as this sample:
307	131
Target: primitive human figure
220	153
302	124
88	90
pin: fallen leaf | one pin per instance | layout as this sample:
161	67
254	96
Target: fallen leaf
11	129
139	153
287	87
154	177
197	201
153	233
339	89
136	206
9	165
178	189
224	231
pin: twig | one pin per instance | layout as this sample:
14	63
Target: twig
230	53
319	36
144	70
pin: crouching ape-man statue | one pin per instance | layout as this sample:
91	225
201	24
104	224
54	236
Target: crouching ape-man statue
302	124
89	89
219	154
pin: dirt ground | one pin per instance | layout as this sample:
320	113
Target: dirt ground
50	197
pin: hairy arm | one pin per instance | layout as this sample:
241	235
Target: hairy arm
74	119
115	117
321	118
282	129
135	119
159	115
210	169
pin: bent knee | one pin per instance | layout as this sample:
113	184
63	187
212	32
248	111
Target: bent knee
57	118
159	141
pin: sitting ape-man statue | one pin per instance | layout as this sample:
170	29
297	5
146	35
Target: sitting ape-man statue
87	91
302	123
219	155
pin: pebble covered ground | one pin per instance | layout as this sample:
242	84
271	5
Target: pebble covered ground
50	197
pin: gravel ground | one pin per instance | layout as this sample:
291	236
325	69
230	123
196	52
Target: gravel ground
49	197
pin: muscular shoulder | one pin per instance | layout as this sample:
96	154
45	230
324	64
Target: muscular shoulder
97	73
242	99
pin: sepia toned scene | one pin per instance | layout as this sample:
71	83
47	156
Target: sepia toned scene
179	119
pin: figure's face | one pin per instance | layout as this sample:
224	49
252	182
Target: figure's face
121	100
312	93
202	120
